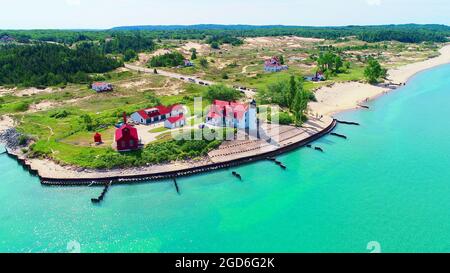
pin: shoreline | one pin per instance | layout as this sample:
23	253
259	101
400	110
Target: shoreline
346	96
66	177
331	100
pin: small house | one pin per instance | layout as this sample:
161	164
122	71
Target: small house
188	63
175	122
157	114
7	39
319	77
98	138
127	138
100	87
274	65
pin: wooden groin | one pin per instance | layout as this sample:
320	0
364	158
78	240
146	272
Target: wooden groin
338	135
157	177
102	195
176	185
364	106
238	176
347	122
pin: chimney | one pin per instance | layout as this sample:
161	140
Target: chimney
124	118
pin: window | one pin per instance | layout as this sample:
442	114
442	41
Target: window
131	143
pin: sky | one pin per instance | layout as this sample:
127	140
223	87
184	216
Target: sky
104	14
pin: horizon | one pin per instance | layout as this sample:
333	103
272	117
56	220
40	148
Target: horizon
219	25
92	15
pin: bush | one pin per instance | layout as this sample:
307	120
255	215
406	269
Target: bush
222	92
20	106
284	118
167	60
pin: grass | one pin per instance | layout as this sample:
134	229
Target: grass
158	130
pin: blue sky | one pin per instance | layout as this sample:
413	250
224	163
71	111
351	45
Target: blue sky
27	14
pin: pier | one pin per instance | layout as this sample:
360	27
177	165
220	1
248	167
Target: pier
176	186
347	122
102	195
338	135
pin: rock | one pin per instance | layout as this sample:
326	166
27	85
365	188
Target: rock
11	138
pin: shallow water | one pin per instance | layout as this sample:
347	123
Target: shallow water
389	182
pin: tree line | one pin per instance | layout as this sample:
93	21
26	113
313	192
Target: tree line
46	64
222	33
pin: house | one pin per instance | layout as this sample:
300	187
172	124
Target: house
188	63
7	39
175	122
319	77
102	87
157	114
233	114
126	137
274	65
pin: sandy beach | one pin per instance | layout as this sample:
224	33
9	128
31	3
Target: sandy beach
346	96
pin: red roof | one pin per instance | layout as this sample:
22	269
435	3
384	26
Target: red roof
175	119
122	131
235	109
157	111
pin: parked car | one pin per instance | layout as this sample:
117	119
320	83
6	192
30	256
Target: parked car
201	83
182	78
192	80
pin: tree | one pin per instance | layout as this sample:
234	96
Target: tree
222	92
129	55
338	63
194	54
292	88
167	60
204	62
215	45
281	57
374	71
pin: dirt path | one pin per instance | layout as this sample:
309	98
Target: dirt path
249	94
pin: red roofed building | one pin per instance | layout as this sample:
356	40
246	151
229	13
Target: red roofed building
126	137
274	65
157	114
175	122
232	114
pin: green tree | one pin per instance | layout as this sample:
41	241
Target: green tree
292	89
204	62
167	60
374	71
215	45
222	92
281	57
129	55
194	54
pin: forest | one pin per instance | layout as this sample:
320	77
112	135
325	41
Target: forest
413	33
46	64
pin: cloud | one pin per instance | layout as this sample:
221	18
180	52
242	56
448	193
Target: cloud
73	3
373	2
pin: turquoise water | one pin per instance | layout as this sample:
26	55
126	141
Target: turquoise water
389	182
